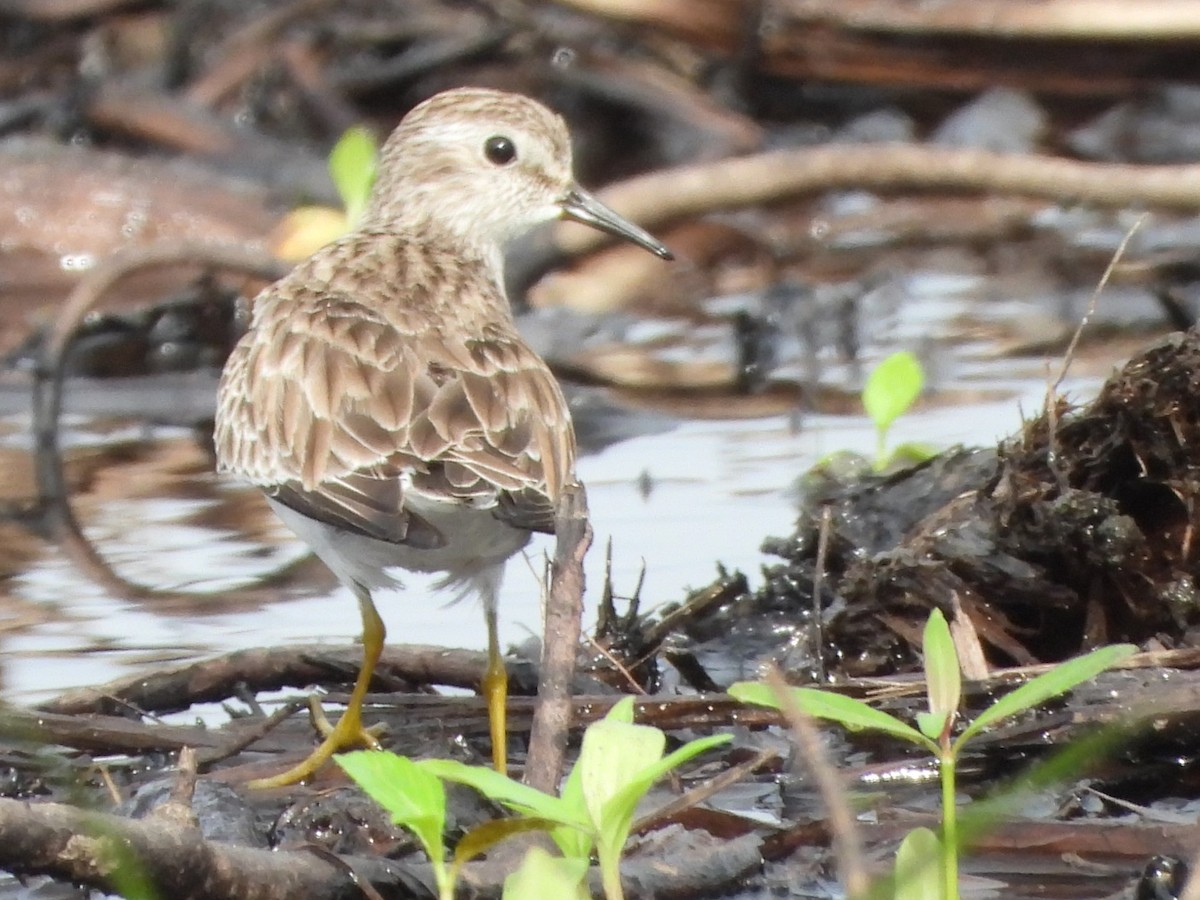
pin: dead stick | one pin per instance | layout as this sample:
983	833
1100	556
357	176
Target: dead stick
94	849
847	844
1147	20
564	614
171	688
779	175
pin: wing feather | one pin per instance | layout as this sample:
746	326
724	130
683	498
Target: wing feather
335	405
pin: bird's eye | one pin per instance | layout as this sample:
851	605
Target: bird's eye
499	150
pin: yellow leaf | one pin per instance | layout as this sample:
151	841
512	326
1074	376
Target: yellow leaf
304	231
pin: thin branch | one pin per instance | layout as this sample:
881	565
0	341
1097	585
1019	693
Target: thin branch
670	195
1146	20
560	643
847	844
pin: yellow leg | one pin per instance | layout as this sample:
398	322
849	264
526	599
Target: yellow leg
495	689
349	731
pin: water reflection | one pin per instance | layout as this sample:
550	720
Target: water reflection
157	558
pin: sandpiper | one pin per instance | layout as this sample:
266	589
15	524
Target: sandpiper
383	398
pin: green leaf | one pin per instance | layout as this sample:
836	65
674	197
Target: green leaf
911	453
619	762
545	877
575	841
622	711
618	813
943	678
891	388
672	760
932	725
1058	680
613	755
520	798
846	711
414	798
352	168
919	866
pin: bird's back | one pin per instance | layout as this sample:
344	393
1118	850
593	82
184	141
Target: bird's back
383	391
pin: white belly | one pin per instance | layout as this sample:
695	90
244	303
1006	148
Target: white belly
477	546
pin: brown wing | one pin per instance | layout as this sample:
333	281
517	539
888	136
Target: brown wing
335	406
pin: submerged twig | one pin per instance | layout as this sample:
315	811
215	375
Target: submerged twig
49	385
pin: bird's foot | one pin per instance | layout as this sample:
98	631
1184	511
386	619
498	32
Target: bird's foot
369	735
347	734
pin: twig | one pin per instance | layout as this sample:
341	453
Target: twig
1069	355
217	678
1146	20
81	846
1049	405
670	195
560	644
702	792
818	628
616	664
846	843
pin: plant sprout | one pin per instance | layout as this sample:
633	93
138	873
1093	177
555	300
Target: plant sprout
415	799
935	726
891	389
618	763
352	168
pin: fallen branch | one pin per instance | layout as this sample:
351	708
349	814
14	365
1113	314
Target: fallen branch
1085	20
671	195
100	851
220	677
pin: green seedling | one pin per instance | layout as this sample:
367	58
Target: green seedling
352	163
935	726
891	389
618	763
415	799
918	875
545	877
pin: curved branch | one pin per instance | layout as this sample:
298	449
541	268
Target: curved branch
776	176
97	849
1147	20
48	393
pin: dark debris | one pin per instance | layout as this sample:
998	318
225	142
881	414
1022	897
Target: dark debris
1076	532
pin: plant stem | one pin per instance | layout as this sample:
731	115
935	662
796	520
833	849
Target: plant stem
610	876
948	765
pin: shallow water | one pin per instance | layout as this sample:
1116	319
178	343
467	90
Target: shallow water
677	499
676	502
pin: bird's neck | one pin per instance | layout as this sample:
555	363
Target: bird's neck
442	268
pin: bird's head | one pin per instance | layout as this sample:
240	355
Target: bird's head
487	166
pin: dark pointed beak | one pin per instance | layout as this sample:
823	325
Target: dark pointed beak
581	206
